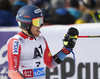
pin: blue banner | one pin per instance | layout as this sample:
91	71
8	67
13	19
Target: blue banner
4	36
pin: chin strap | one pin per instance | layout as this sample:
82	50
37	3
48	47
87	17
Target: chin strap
27	27
29	31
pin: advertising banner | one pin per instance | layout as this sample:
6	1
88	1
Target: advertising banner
4	36
87	51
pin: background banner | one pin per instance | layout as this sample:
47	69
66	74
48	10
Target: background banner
4	36
87	51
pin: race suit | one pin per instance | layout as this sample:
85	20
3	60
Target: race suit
28	55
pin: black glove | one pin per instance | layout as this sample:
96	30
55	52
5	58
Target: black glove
70	38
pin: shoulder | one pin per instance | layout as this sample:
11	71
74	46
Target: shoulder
12	39
16	37
41	37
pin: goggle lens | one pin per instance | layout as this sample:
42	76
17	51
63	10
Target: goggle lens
37	22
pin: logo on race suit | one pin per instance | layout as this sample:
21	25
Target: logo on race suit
28	73
49	54
15	47
38	72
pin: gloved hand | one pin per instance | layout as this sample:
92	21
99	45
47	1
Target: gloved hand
69	42
14	75
70	38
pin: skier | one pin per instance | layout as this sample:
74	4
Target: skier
28	51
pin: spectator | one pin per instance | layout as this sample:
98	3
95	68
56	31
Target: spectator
6	16
74	8
91	15
58	4
60	14
38	3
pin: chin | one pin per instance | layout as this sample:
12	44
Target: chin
36	35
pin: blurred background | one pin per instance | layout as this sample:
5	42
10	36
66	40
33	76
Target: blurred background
63	12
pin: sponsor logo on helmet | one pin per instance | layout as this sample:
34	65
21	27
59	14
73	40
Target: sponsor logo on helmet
27	16
37	11
20	15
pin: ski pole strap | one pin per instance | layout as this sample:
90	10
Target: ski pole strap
72	52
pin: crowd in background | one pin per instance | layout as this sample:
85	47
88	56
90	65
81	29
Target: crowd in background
55	11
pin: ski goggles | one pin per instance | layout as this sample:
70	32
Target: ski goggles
37	22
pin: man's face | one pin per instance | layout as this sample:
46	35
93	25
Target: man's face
35	30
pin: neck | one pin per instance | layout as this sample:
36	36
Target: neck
26	32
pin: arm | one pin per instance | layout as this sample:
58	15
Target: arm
14	49
69	43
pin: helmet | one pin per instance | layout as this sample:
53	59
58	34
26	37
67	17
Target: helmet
91	3
25	15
